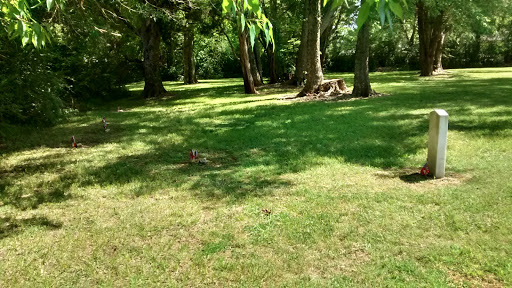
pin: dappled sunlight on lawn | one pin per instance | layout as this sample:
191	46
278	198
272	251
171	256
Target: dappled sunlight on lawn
287	188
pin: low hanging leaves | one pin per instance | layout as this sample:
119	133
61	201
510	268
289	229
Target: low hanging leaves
17	14
252	33
248	14
49	4
396	8
384	9
364	12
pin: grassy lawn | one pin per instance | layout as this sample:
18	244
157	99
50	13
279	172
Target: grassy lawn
342	208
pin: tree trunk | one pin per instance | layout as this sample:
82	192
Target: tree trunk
438	60
324	43
257	57
430	31
301	67
244	62
254	65
272	63
189	67
424	32
326	28
271	53
314	69
362	86
170	42
150	35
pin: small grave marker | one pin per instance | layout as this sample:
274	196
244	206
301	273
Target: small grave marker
437	142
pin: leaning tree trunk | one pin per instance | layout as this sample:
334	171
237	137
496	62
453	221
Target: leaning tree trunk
326	29
301	67
430	31
244	62
314	69
258	81
150	35
324	43
362	86
189	67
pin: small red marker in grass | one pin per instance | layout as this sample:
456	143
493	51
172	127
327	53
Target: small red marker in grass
193	155
425	170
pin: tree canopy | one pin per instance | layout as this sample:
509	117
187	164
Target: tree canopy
59	56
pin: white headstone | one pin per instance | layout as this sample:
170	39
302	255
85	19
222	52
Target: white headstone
437	141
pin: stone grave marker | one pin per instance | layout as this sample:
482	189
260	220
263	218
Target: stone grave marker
437	142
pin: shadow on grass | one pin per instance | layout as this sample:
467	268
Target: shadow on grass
414	178
250	149
44	192
10	226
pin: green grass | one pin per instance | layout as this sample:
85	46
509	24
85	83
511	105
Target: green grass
129	210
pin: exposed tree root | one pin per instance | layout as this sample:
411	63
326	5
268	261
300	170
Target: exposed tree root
329	88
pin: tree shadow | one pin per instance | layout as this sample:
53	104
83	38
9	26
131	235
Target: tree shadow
43	192
10	226
251	149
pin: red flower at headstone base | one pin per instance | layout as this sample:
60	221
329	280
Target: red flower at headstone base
425	170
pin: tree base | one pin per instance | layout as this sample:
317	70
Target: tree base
328	88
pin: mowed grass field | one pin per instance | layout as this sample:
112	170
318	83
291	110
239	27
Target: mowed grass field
294	194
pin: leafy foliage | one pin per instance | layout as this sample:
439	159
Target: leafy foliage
383	8
250	15
18	19
30	91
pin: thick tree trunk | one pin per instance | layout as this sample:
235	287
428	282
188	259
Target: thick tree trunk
244	62
430	31
314	69
189	67
150	35
301	67
362	86
424	32
258	81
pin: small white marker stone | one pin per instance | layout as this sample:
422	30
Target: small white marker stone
437	141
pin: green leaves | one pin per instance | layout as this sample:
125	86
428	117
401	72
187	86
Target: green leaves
49	4
384	9
21	25
248	14
364	12
228	5
252	34
396	8
242	20
253	6
382	12
336	3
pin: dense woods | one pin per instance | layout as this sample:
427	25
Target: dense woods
58	57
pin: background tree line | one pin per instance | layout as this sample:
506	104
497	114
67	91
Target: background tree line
57	57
